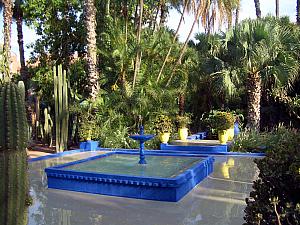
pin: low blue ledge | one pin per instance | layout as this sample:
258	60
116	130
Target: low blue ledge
89	145
205	149
150	188
198	136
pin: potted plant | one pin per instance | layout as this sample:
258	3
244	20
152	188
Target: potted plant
163	126
87	131
183	121
222	121
88	124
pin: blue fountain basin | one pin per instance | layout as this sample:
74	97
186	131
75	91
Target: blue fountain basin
144	137
166	177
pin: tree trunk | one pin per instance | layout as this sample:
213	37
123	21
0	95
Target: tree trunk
90	22
173	41
257	8
298	12
7	20
138	42
237	15
277	8
163	14
155	18
107	6
254	97
181	103
24	71
182	51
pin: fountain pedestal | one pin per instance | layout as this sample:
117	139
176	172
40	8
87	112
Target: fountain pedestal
142	138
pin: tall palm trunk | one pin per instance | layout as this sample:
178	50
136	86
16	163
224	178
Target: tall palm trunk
298	12
7	20
182	51
90	22
19	20
156	16
277	8
237	15
173	41
163	14
257	8
138	42
254	96
107	6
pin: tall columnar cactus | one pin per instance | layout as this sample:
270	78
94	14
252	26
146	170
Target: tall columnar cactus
13	157
48	125
13	121
61	108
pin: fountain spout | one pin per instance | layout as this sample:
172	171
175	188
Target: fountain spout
142	138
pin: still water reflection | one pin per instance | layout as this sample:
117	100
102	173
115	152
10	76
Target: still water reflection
14	194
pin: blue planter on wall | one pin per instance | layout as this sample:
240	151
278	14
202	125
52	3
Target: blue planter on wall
89	145
236	129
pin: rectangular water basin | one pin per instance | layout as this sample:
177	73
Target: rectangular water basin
165	177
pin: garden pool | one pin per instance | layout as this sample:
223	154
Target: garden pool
218	199
166	177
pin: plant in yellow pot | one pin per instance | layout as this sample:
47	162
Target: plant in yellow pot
163	126
222	121
183	121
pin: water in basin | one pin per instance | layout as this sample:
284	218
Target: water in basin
158	166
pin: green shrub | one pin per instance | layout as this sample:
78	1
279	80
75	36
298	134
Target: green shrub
276	195
220	121
163	124
254	141
183	121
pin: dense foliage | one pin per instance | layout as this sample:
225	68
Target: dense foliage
211	73
254	141
276	199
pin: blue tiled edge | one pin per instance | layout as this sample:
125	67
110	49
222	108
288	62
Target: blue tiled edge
161	189
196	148
191	153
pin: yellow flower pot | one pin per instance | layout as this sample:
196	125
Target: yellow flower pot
183	133
230	133
164	138
223	137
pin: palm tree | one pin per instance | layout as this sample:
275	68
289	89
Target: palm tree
257	8
90	22
298	12
203	10
138	41
277	8
7	20
266	60
186	7
18	16
237	15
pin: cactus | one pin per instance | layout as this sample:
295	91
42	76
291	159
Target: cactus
48	125
61	108
13	121
14	191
